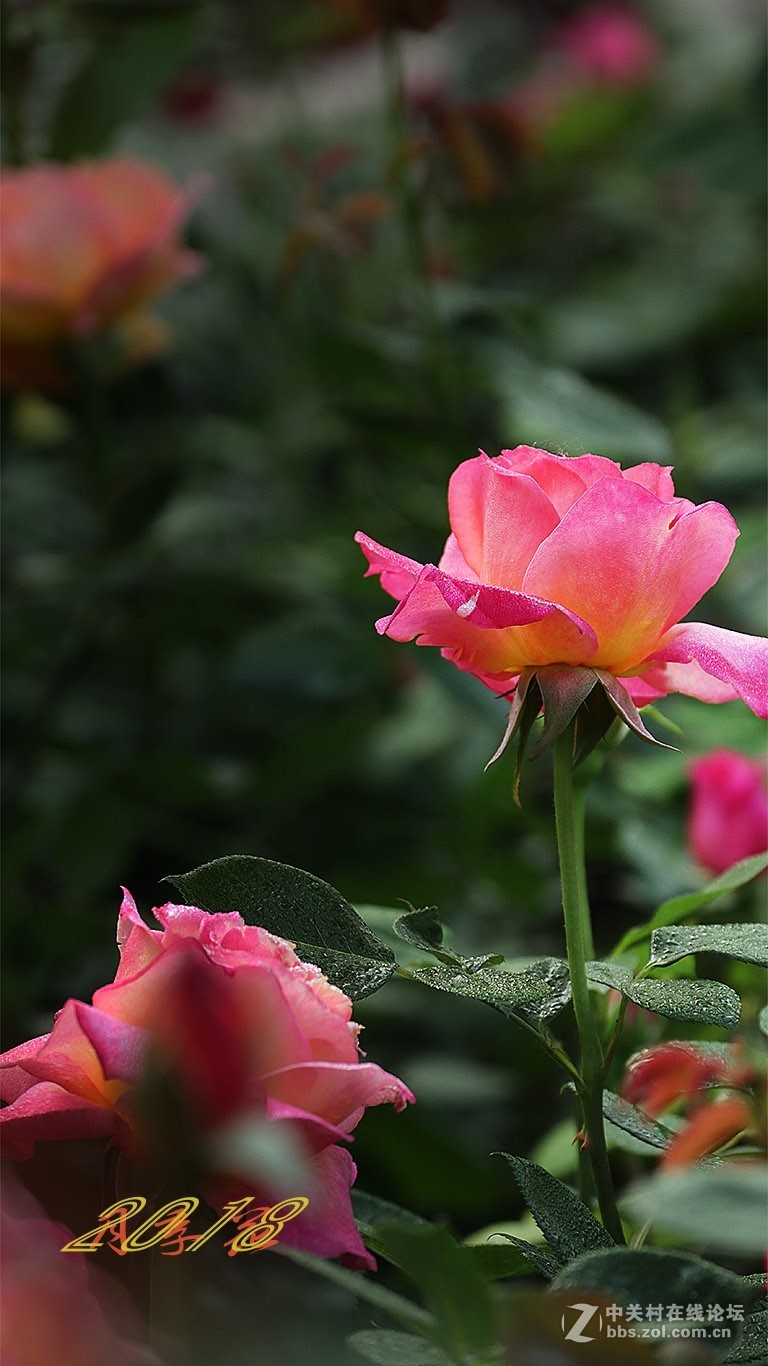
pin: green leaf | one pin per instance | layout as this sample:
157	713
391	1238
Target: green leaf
397	1349
325	929
762	1020
127	65
402	1309
749	943
540	1258
568	1226
679	907
701	1001
653	1276
421	928
499	1261
560	410
423	931
507	990
722	1207
632	1121
450	1280
556	977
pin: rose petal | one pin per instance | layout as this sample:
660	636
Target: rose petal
327	1227
472	621
738	662
337	1090
499	518
657	566
398	573
47	1111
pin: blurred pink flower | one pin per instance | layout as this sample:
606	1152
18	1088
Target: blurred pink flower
247	1028
559	560
728	817
608	45
84	248
58	1307
671	1073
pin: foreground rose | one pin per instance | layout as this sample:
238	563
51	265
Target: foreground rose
556	560
728	818
84	247
55	1308
250	1029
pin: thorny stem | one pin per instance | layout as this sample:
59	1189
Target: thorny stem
578	938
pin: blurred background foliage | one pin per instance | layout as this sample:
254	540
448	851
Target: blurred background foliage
405	259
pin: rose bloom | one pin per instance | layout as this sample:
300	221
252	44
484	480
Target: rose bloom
572	560
58	1308
609	45
83	248
728	818
251	1030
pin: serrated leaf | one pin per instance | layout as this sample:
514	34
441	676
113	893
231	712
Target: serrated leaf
502	1261
568	1226
748	943
556	978
540	1258
679	907
420	928
653	1276
697	1000
300	907
750	1350
722	1207
389	1348
634	1122
508	990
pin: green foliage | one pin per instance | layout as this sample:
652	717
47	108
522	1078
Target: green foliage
130	58
702	1002
749	943
635	1122
693	903
722	1208
324	928
651	1275
565	1221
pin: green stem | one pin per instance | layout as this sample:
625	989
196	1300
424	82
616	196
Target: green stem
578	938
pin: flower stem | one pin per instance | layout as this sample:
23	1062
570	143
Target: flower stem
569	813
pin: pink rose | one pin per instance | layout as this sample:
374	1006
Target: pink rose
728	818
609	45
84	248
572	560
58	1307
249	1030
